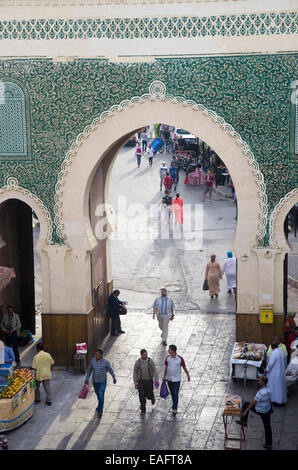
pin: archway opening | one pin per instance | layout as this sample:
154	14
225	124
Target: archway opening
291	261
142	252
19	233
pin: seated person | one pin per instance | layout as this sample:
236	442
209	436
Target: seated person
9	356
294	344
292	341
292	372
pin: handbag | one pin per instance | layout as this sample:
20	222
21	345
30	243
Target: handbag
164	392
84	391
122	310
205	285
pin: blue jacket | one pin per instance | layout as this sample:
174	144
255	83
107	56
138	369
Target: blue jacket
9	356
174	172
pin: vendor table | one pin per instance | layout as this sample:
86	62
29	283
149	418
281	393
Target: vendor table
19	407
246	368
230	411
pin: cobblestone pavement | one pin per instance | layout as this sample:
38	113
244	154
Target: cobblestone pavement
204	332
205	341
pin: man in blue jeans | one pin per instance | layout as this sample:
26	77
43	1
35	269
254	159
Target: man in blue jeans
172	374
261	405
98	367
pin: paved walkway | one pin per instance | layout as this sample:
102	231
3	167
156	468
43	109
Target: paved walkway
203	330
205	341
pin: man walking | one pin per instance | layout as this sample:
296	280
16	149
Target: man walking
261	405
98	367
209	180
174	174
276	373
144	139
168	182
143	374
42	363
11	326
150	154
167	205
162	173
114	306
163	308
172	374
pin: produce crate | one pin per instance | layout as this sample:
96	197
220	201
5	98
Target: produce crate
19	407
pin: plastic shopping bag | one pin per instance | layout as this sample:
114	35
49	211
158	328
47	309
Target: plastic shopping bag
164	392
84	391
81	348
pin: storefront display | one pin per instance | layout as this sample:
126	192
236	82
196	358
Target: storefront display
246	360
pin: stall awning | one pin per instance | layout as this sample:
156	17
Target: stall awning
6	275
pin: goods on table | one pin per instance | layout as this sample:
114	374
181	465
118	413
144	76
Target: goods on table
17	399
233	405
15	383
248	351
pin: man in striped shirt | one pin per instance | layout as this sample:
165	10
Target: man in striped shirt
98	367
163	308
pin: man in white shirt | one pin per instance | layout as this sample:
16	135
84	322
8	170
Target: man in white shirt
172	374
163	308
144	139
150	154
162	173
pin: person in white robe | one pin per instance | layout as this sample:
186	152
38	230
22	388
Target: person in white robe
292	372
230	269
276	374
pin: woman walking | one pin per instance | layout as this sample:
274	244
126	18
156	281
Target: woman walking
229	268
213	274
139	154
177	207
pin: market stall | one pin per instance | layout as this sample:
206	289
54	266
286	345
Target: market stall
246	360
17	397
232	407
195	177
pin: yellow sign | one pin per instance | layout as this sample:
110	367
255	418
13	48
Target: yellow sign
266	314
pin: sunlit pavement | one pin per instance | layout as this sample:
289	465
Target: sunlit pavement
203	330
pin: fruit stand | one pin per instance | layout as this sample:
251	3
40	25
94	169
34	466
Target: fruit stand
17	399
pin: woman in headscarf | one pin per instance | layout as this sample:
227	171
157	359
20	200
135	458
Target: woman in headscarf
230	269
213	274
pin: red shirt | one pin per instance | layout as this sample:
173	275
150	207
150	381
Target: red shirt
168	182
209	179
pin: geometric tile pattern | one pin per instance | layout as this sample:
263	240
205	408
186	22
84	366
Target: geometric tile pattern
13	132
158	92
249	92
258	24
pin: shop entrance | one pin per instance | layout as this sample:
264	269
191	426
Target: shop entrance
150	252
16	232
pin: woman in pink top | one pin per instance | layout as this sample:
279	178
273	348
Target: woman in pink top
139	154
177	207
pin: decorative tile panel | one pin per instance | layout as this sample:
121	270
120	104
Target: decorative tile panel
250	93
257	24
13	128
